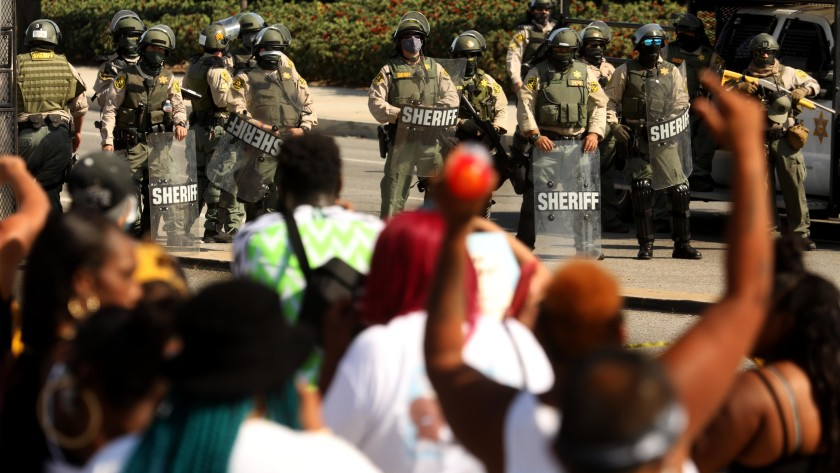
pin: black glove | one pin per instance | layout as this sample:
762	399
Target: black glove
621	132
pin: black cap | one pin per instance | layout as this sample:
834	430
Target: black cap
236	343
100	181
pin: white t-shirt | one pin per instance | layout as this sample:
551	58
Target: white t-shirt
530	429
261	446
381	399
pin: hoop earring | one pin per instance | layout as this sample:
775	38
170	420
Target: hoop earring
45	404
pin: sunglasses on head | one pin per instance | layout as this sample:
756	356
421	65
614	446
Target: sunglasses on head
652	41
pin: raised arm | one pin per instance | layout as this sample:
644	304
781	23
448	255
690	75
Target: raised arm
703	364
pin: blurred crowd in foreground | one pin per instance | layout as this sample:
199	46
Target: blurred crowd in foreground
345	343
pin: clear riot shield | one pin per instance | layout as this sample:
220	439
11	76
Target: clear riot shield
567	197
245	159
668	133
173	192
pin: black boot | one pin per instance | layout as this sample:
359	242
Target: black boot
684	250
645	250
680	223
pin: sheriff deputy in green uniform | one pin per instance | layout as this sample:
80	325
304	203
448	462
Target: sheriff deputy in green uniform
594	40
627	92
408	78
126	27
144	98
250	24
785	137
561	100
274	93
693	51
482	91
208	76
52	105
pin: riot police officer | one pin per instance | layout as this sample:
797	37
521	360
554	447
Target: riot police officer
208	76
274	93
249	25
528	38
693	50
485	97
144	98
594	40
785	136
126	27
561	100
52	106
408	77
651	166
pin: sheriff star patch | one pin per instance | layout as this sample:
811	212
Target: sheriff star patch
701	57
821	127
119	84
576	74
663	71
238	83
482	83
532	84
286	75
163	79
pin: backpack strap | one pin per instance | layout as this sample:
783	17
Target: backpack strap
297	243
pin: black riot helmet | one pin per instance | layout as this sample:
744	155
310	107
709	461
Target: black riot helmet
469	44
648	41
413	24
593	43
764	49
249	25
563	44
42	34
213	38
126	27
691	33
539	11
269	44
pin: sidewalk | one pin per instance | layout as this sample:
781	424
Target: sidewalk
344	112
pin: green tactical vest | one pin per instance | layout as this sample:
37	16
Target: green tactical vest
535	39
562	98
241	58
633	102
480	96
196	79
142	107
272	101
407	88
693	64
45	82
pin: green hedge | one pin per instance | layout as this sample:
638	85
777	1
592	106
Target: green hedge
341	43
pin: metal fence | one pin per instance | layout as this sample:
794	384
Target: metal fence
8	117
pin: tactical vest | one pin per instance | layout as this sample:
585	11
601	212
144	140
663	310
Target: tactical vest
142	107
196	79
535	39
562	98
407	87
633	102
272	97
112	68
241	59
480	95
693	64
45	82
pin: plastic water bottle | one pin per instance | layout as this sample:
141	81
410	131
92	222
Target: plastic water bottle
469	172
167	106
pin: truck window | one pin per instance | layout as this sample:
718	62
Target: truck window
734	42
804	46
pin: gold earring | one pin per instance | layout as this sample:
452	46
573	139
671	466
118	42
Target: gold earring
92	304
76	309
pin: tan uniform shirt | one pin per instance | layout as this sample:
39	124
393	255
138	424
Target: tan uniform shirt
103	81
596	107
790	78
615	91
240	96
115	95
219	81
605	70
384	112
500	108
78	107
517	46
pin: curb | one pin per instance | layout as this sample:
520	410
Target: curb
684	306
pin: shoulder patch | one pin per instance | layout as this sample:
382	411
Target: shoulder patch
497	89
519	38
532	84
119	83
444	73
379	79
801	74
302	82
291	64
593	87
226	76
176	87
238	83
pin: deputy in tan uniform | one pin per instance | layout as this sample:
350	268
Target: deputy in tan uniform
126	27
629	95
274	93
528	38
52	105
144	98
542	120
408	78
785	136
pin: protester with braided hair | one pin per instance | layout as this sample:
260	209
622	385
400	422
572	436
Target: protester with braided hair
785	416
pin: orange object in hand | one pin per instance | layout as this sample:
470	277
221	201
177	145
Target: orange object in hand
469	172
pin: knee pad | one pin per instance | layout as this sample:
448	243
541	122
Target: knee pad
680	196
641	193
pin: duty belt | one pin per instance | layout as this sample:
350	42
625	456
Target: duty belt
554	136
773	135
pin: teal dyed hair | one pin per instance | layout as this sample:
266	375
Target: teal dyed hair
197	436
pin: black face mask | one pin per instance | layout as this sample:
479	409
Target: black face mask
268	59
472	66
594	54
648	55
540	17
153	61
559	60
760	61
248	40
127	46
688	43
